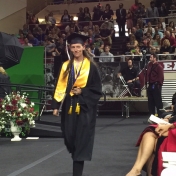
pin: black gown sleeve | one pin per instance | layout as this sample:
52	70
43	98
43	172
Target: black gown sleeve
55	104
93	91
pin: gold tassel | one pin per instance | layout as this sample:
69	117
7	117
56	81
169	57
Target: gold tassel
77	108
70	110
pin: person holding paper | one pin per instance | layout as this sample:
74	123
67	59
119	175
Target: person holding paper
78	91
152	142
154	79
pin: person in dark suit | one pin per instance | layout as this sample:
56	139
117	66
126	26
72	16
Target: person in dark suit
121	19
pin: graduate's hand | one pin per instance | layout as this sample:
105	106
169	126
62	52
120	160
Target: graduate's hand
163	129
55	112
76	91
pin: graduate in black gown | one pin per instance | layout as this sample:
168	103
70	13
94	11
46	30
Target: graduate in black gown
79	88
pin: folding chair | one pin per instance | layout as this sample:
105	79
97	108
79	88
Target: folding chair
126	90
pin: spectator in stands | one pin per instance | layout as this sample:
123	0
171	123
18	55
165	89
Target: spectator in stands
140	22
152	12
77	27
80	15
163	23
127	49
101	49
108	13
165	49
121	19
136	51
163	12
160	27
26	43
105	35
156	42
133	42
87	16
107	23
91	36
129	21
97	13
36	30
91	26
134	8
106	53
46	21
171	31
139	33
96	30
172	26
50	47
157	32
47	29
53	34
98	42
32	40
130	74
89	52
169	37
40	36
149	29
25	29
85	31
140	12
33	20
21	38
94	49
51	18
65	17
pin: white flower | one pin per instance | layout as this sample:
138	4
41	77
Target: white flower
3	106
32	123
32	104
21	115
23	105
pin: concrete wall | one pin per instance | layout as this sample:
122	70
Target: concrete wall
9	7
36	6
12	23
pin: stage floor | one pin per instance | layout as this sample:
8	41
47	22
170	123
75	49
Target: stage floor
114	151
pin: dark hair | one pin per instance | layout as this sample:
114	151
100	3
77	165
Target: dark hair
130	60
155	55
69	66
152	2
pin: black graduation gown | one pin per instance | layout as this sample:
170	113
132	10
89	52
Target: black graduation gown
79	130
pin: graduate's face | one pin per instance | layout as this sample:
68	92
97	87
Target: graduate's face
77	50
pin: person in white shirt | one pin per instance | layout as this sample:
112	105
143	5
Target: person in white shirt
26	43
85	31
106	53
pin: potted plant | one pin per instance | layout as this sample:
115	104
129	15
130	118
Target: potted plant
17	111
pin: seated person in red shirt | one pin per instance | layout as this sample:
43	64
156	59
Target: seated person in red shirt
170	38
130	75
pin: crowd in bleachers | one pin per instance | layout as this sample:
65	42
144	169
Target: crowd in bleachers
147	32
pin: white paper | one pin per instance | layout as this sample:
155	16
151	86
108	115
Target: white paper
32	138
157	120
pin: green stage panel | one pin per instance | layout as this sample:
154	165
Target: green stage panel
31	67
30	70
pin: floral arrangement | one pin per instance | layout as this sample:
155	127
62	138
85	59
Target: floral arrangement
16	108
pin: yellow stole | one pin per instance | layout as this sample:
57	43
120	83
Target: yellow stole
81	80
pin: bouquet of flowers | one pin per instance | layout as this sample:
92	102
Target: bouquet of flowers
17	109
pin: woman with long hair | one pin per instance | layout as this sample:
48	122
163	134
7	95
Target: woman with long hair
87	16
65	17
155	42
77	93
108	13
166	49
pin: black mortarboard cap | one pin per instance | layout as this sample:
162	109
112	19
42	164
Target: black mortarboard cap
75	38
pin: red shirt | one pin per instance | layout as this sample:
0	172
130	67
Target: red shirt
171	40
155	73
